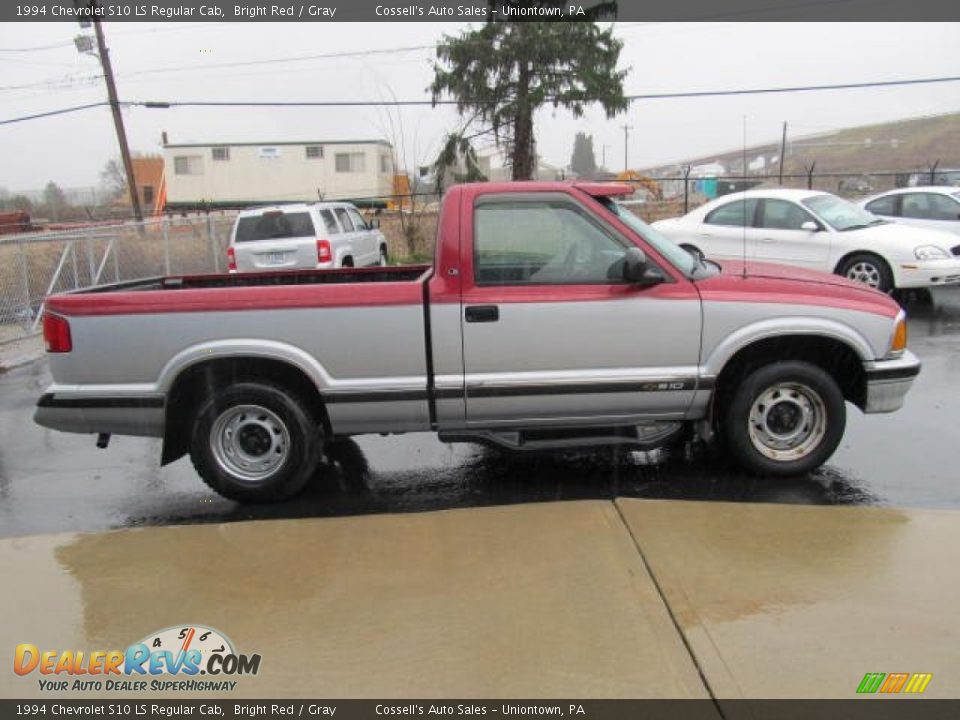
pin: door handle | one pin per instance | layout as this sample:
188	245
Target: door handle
482	313
767	240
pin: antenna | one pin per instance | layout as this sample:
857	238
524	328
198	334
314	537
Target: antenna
744	178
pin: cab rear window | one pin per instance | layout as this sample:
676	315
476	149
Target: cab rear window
274	225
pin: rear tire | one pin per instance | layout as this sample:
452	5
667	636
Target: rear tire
783	419
384	260
347	262
255	442
869	269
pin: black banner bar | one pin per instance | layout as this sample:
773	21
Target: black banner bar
470	10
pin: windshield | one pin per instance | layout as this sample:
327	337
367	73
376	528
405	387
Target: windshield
840	214
677	256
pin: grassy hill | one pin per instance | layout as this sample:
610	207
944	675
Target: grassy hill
902	146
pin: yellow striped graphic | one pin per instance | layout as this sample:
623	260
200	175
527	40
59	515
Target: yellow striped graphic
918	682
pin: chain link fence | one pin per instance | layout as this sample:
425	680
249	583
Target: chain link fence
34	265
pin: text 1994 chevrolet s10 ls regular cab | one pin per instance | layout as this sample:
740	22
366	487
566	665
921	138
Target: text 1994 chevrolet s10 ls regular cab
552	317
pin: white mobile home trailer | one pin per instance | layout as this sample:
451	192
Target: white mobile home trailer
240	174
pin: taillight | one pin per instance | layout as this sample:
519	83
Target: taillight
56	334
231	259
323	251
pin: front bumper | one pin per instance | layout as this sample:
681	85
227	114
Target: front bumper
929	273
888	382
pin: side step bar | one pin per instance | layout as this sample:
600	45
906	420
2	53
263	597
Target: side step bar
640	437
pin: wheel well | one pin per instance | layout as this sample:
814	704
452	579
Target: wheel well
841	261
835	357
200	381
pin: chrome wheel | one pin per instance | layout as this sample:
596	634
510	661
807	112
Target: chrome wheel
787	421
249	442
865	272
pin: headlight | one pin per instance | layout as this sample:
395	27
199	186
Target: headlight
930	252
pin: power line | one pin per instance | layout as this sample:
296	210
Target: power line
163	104
274	61
799	88
38	47
62	111
243	63
69	43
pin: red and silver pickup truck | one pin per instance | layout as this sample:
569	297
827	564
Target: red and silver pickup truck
551	318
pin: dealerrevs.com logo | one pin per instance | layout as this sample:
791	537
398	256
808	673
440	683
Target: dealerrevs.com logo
172	659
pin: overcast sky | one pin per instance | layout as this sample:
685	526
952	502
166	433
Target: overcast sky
173	62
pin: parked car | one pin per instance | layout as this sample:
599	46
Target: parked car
552	317
817	231
303	236
940	176
935	207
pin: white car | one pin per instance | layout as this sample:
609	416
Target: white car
935	207
817	231
303	236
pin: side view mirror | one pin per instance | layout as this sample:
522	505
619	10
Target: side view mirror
810	226
636	270
695	251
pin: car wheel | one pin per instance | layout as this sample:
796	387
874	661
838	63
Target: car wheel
347	262
786	418
868	269
255	442
383	256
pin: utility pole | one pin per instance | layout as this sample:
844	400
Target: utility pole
626	137
117	117
783	150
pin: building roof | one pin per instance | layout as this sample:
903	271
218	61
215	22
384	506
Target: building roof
268	143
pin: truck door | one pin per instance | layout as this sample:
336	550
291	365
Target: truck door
552	334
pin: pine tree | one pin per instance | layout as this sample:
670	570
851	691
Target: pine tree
502	73
583	162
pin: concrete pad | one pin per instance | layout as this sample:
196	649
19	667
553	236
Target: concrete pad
786	601
531	601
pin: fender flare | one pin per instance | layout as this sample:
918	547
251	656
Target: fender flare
782	327
240	348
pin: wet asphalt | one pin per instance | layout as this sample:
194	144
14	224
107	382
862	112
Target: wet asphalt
55	482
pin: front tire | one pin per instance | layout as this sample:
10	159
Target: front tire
868	269
255	442
383	260
786	418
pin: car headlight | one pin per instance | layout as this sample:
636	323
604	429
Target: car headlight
930	252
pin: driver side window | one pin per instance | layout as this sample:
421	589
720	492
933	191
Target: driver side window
738	213
542	242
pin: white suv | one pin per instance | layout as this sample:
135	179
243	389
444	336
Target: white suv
303	236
